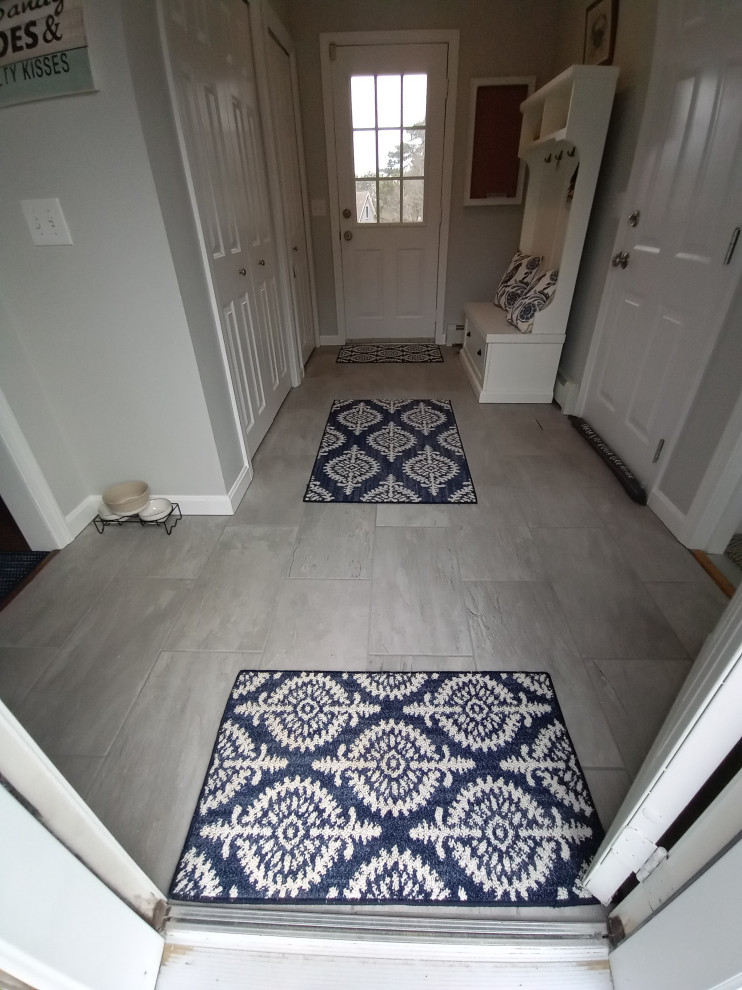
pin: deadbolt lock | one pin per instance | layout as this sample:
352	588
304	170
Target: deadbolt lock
634	218
348	235
347	214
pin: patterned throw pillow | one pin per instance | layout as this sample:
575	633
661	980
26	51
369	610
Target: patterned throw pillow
537	298
516	280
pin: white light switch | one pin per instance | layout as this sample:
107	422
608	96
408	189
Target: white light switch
46	221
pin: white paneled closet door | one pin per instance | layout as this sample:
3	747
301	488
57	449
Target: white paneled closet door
289	152
210	47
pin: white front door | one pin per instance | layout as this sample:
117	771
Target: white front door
285	126
389	110
211	54
661	313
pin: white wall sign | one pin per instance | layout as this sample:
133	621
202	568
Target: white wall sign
43	50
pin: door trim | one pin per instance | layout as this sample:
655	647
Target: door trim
27	768
451	38
27	492
275	27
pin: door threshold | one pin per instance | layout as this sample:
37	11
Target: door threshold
287	951
389	923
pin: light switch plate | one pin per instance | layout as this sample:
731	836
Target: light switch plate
46	221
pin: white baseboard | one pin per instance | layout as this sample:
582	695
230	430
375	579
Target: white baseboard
566	393
203	505
240	486
327	341
82	514
671	516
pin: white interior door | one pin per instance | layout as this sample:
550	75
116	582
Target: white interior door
661	313
211	53
389	107
286	130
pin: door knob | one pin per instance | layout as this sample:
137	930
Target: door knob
348	235
262	262
347	214
242	271
620	260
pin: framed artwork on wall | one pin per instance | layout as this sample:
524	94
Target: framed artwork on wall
600	32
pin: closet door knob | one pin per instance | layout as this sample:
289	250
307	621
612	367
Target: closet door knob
620	260
262	262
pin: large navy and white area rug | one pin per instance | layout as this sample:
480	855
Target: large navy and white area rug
391	450
391	787
389	354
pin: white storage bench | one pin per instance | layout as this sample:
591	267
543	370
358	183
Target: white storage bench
504	365
562	139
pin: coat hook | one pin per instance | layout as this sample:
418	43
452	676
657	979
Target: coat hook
559	156
548	158
571	154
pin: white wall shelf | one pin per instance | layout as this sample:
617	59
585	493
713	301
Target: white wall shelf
563	133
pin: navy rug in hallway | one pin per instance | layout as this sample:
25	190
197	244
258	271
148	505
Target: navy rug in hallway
389	354
391	787
391	451
15	566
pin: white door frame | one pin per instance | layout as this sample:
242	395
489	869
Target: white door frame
273	25
27	768
451	38
26	491
701	728
711	520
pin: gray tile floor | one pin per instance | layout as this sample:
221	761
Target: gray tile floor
119	657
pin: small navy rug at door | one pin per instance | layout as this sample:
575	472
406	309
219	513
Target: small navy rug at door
393	451
391	787
15	566
389	354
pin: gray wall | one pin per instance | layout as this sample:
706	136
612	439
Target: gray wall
498	38
633	54
97	354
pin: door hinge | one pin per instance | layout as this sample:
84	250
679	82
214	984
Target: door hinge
657	452
732	245
652	863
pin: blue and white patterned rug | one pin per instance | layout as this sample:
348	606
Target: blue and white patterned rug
391	787
389	354
391	450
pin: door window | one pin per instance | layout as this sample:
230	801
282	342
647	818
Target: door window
388	116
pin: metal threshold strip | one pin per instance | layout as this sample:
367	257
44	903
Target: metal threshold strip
237	946
387	923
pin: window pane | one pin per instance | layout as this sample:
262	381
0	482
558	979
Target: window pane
389	96
362	101
413	196
389	206
364	153
415	92
390	152
413	160
366	202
